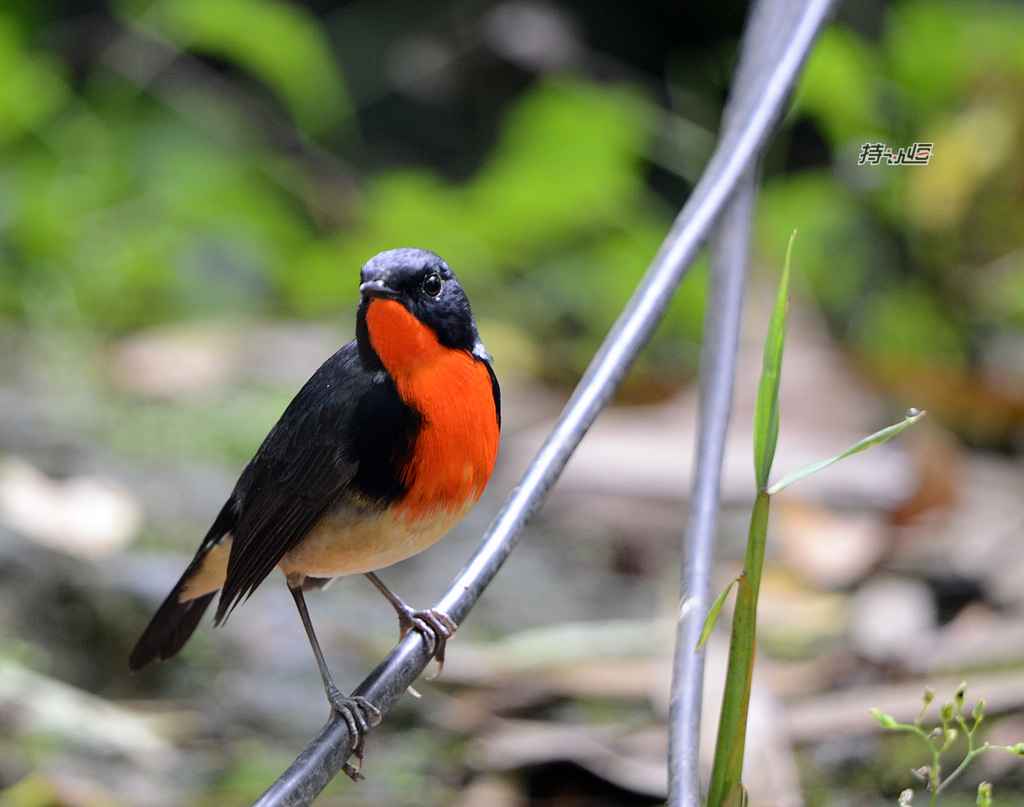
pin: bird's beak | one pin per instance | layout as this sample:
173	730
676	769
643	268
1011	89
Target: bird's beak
378	289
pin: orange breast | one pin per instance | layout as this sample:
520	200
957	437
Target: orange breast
458	440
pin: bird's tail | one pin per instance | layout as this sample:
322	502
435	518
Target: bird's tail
178	616
169	629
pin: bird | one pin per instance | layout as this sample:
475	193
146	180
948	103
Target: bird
380	453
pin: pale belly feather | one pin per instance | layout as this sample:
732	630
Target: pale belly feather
347	543
351	540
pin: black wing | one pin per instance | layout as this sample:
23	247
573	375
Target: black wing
341	434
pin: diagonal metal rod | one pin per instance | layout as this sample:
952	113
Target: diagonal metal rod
754	115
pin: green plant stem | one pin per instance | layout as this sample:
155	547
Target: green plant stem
732	728
936	784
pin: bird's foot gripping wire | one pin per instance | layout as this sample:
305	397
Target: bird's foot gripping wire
433	625
360	716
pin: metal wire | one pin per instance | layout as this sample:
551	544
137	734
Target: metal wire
729	247
755	106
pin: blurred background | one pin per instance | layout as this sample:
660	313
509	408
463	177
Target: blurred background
187	191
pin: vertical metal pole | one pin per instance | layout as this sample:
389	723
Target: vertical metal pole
719	348
776	40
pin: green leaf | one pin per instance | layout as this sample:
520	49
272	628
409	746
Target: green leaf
280	43
838	87
716	609
566	162
766	407
912	416
32	88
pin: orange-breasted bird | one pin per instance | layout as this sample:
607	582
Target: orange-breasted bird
383	450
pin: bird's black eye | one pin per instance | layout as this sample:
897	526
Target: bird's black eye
432	285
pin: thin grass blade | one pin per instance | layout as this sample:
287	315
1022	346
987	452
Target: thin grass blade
716	609
766	406
912	416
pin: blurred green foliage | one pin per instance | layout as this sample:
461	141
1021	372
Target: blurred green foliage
130	204
919	268
279	43
211	158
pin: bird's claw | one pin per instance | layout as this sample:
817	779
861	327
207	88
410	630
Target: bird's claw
433	625
360	716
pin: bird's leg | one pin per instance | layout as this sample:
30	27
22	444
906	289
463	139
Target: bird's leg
355	710
435	626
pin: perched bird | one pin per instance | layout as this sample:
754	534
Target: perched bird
383	450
